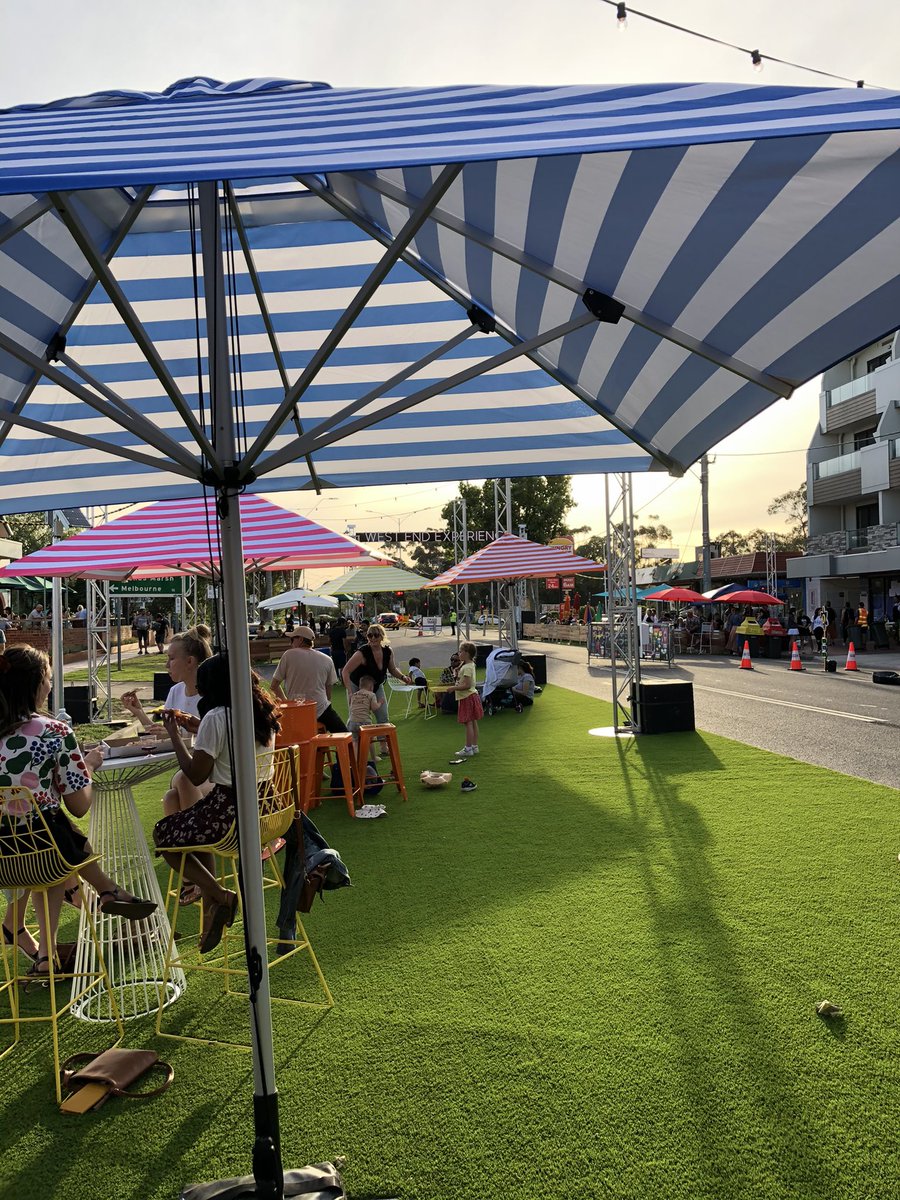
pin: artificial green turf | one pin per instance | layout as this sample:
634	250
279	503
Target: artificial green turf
593	976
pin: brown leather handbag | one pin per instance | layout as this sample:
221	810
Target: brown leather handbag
109	1074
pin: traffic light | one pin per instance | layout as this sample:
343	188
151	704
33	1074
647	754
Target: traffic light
399	595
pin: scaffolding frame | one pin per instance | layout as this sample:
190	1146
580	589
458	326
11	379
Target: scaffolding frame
98	648
504	590
621	599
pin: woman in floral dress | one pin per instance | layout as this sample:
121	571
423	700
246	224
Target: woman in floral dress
42	754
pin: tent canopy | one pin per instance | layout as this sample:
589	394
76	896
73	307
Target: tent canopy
565	262
295	596
362	581
511	557
181	538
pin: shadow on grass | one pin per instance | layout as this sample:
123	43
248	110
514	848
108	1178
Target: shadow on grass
701	960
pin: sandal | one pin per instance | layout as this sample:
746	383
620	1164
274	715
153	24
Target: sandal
130	907
219	915
69	895
189	894
12	939
35	976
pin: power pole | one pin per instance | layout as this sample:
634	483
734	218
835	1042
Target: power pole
704	508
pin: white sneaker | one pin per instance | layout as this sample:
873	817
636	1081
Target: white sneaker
473	750
466	752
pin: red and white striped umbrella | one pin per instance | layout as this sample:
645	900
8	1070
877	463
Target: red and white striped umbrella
178	537
511	557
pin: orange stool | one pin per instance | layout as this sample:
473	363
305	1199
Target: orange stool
385	733
339	745
298	722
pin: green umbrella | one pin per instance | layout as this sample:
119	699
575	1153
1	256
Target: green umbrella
363	580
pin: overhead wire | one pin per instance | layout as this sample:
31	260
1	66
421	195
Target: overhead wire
757	58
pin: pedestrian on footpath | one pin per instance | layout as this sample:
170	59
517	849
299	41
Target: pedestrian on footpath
862	620
453	621
846	622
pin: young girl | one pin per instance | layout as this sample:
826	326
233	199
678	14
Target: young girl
470	711
212	816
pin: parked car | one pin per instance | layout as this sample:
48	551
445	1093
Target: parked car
390	620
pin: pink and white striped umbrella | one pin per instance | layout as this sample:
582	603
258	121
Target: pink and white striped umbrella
511	557
178	537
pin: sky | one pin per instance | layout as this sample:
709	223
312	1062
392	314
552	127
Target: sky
58	48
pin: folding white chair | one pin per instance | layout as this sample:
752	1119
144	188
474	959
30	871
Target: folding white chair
410	689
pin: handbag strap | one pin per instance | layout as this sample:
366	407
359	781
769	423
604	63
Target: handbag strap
74	1061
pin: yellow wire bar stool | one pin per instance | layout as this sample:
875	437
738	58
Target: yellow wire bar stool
30	860
279	807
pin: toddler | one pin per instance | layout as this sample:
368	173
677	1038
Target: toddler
363	703
417	675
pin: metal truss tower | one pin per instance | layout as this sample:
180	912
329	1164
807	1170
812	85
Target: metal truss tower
504	589
624	636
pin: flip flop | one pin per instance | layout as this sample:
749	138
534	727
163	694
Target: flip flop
133	909
222	915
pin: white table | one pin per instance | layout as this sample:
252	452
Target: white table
134	951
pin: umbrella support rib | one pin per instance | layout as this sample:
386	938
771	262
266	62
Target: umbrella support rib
340	205
256	282
290	452
110	284
140	425
445	385
669	333
376	277
24	219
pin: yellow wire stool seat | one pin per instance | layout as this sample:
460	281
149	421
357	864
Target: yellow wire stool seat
30	859
279	806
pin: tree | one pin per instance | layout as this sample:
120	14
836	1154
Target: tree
796	511
540	503
31	529
594	547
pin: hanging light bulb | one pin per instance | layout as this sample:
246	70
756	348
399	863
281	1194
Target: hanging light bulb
621	18
756	60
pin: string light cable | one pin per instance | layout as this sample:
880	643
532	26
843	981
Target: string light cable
757	59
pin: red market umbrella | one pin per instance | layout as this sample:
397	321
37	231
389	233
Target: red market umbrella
511	557
749	596
179	537
678	595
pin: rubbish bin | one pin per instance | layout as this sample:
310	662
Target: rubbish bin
162	684
482	650
774	645
664	707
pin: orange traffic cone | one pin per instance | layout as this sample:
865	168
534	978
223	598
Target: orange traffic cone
420	633
746	664
850	664
796	664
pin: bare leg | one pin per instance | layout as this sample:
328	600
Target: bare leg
14	920
197	872
47	932
471	733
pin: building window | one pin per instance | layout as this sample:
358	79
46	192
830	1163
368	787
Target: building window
874	363
866	515
865	437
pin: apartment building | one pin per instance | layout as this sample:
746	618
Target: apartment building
853	483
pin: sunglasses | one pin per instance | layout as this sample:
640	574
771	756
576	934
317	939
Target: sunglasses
373	637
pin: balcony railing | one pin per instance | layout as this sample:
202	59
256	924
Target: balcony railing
857	539
847	391
836	466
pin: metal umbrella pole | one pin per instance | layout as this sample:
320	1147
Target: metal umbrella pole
268	1178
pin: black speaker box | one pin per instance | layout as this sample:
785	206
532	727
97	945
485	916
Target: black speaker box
664	707
162	684
539	666
77	703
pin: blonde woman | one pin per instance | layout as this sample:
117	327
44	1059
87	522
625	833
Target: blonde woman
375	659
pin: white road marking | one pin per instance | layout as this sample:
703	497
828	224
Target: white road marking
830	712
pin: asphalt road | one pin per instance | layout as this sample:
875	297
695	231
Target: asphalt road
844	722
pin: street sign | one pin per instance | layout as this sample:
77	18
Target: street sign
169	585
660	552
568	582
552	585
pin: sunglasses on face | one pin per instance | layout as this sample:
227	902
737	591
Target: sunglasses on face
374	637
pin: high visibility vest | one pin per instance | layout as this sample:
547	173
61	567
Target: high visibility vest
862	618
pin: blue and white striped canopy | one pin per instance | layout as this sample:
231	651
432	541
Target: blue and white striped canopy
693	252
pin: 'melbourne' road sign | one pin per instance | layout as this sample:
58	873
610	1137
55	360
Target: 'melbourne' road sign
169	585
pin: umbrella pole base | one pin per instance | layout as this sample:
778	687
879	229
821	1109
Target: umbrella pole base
319	1182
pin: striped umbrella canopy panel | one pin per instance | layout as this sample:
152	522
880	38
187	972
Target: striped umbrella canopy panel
575	279
511	557
180	537
362	581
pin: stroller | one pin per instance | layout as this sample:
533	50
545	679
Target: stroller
500	677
